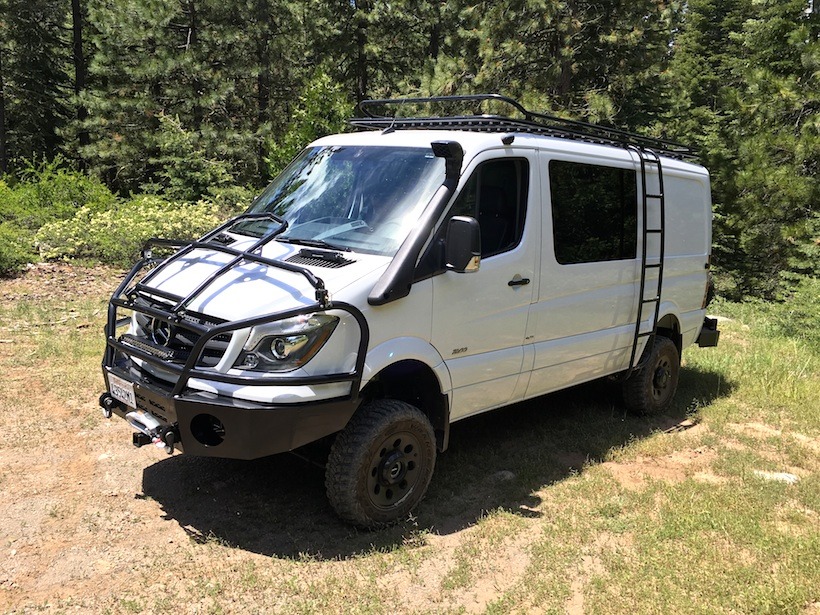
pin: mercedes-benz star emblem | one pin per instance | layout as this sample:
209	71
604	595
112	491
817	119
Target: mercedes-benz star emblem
161	332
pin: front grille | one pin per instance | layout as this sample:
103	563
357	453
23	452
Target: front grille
174	342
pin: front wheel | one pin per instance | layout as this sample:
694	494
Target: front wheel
380	464
651	389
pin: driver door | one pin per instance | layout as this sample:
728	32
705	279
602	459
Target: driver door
480	319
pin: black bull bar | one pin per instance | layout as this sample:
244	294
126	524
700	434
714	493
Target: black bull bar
180	395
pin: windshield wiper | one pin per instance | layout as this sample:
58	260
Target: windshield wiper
313	243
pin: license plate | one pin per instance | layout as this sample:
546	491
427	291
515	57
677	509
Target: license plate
122	390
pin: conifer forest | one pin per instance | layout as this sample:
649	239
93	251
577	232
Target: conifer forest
200	102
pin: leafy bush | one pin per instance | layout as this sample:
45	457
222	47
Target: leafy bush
322	109
40	194
15	248
795	316
50	191
187	170
115	236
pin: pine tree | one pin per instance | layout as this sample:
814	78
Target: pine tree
79	60
4	163
224	73
745	89
35	93
599	60
701	82
778	144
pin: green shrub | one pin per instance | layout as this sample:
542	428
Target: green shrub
231	200
40	194
798	315
16	248
115	236
50	191
795	316
322	109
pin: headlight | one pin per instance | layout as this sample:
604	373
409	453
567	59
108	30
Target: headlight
286	345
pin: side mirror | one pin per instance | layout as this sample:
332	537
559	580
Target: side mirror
462	250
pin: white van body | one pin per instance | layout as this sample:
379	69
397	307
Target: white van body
538	314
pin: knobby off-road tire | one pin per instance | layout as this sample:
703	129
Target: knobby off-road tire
380	464
651	389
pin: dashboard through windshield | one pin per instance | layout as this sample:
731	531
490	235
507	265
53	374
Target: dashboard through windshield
359	198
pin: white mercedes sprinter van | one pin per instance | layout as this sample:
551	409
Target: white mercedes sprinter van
419	271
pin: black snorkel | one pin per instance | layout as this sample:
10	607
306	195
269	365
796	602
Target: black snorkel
397	279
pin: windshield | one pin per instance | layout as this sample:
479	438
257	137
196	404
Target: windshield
360	198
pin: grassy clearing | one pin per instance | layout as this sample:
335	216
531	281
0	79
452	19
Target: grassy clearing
561	505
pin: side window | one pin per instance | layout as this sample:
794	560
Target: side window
594	212
496	196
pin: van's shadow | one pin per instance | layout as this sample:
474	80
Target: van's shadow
276	506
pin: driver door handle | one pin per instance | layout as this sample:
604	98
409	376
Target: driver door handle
518	282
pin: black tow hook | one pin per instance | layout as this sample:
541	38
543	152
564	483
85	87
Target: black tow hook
107	404
169	438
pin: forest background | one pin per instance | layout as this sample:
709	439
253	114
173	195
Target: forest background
123	119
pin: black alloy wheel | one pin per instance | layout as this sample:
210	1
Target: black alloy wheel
651	389
380	464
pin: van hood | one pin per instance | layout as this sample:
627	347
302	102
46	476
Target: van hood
252	289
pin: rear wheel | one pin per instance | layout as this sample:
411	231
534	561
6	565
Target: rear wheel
651	389
380	464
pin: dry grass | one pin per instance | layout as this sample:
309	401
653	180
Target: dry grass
563	504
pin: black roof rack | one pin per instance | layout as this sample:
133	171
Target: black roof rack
529	122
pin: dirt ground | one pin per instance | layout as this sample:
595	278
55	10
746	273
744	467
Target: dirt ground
90	524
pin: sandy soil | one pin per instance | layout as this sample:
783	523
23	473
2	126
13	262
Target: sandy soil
90	524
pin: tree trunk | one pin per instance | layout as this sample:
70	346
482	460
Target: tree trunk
4	165
80	69
263	82
191	45
363	7
435	34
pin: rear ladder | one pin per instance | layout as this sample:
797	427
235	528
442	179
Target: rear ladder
649	157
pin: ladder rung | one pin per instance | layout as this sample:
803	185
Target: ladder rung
645	334
654	230
654	196
654	266
653	300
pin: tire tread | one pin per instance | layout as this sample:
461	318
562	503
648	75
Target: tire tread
347	455
636	386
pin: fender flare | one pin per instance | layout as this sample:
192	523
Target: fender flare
403	349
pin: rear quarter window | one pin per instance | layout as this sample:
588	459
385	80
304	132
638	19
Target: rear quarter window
594	212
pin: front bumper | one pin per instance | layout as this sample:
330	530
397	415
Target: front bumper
212	425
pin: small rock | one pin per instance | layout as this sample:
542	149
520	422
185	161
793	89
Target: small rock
503	476
783	477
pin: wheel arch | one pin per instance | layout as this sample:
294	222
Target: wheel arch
418	384
669	326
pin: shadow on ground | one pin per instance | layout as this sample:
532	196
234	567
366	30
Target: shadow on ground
276	506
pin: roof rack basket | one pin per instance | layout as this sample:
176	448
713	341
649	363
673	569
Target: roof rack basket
527	122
